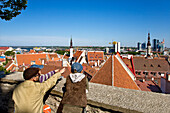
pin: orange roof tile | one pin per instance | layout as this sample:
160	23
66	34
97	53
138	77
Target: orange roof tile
4	48
104	75
122	78
2	59
95	55
91	71
32	51
77	55
27	58
119	77
55	63
148	86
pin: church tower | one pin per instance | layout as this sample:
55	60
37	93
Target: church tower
148	46
71	48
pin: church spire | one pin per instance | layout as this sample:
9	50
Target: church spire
71	43
148	44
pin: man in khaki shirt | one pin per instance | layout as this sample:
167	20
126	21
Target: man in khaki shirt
28	96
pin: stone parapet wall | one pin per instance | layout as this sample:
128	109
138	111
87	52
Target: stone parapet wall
105	99
123	100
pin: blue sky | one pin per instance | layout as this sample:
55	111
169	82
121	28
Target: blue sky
89	22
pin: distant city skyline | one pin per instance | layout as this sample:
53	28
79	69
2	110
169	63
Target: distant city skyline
89	22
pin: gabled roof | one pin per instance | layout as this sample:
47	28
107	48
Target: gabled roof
150	64
91	71
115	73
104	75
77	55
8	64
32	51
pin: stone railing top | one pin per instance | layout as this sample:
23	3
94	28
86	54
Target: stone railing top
123	100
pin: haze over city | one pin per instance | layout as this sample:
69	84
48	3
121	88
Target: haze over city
89	22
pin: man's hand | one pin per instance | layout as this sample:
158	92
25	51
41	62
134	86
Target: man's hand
62	70
56	70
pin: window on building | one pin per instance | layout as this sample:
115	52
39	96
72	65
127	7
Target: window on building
151	65
159	73
144	65
139	73
154	74
159	65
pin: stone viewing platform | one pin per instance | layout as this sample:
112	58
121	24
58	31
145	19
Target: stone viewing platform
105	99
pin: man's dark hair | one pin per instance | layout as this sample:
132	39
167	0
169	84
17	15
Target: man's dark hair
30	72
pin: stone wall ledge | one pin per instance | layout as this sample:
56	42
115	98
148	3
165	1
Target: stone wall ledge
124	100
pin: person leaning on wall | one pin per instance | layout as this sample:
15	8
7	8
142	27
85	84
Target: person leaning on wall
74	99
28	96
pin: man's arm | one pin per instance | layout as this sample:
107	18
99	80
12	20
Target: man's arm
44	77
45	86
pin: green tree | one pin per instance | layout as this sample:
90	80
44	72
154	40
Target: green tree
9	53
11	8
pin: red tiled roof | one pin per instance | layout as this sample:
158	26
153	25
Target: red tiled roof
150	64
119	77
8	64
95	55
2	59
77	55
11	68
66	57
104	75
127	62
4	48
55	63
148	86
91	71
32	51
27	58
